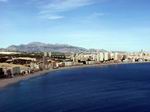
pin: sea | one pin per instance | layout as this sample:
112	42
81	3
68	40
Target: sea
111	88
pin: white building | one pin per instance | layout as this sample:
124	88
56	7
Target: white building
9	53
67	64
25	58
45	54
98	57
101	56
106	56
50	54
115	56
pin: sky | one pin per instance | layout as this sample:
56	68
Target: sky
102	24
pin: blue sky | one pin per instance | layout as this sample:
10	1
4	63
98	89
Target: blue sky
103	24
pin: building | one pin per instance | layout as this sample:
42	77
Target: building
16	70
45	54
49	54
115	56
101	57
106	56
34	66
57	55
9	53
68	63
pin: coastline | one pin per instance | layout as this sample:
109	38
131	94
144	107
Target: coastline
6	82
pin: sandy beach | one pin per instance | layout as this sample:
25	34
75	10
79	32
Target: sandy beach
8	81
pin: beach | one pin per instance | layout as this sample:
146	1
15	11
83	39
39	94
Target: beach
9	81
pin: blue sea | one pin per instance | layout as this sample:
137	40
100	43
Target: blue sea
113	88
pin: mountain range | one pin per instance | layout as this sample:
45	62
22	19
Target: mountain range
44	47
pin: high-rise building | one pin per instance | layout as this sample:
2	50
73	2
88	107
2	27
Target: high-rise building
101	56
106	57
45	54
98	57
50	54
115	56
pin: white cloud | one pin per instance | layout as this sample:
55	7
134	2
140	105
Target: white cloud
95	15
90	18
53	17
98	14
3	0
54	8
57	6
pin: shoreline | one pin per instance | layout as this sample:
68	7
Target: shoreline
6	82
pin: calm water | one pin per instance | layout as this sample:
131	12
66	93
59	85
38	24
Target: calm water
117	88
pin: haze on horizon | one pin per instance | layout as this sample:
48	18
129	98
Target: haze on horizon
104	24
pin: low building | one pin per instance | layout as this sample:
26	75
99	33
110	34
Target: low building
9	53
34	66
26	58
68	64
90	62
57	55
16	70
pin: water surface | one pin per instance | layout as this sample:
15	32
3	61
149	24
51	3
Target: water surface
116	88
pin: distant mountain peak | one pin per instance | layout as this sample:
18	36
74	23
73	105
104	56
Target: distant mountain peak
45	47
